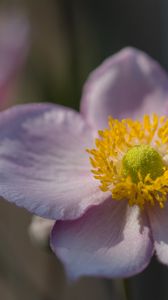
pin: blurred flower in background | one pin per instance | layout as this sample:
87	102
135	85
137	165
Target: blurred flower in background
14	46
39	231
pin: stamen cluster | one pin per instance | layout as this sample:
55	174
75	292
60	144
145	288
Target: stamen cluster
111	152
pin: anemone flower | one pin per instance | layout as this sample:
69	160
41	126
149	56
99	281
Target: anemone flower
102	174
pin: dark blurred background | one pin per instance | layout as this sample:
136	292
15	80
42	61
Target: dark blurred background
67	39
70	38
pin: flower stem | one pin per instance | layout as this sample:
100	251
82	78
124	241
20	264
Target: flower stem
127	290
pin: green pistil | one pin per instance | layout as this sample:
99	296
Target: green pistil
143	160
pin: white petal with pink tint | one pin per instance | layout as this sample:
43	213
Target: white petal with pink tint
110	240
127	84
44	165
159	224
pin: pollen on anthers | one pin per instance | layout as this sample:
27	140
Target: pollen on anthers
130	160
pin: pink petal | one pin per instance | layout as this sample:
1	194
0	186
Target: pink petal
44	165
159	224
14	45
126	84
110	240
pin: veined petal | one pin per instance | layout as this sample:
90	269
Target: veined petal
159	224
110	240
44	166
127	84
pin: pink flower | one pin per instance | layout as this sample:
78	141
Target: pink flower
14	45
112	224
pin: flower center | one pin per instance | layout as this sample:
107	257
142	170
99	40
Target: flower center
130	159
141	160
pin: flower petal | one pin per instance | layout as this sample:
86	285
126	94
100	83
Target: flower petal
159	224
44	166
14	45
111	240
126	84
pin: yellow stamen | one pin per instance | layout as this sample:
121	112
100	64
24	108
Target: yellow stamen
130	160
